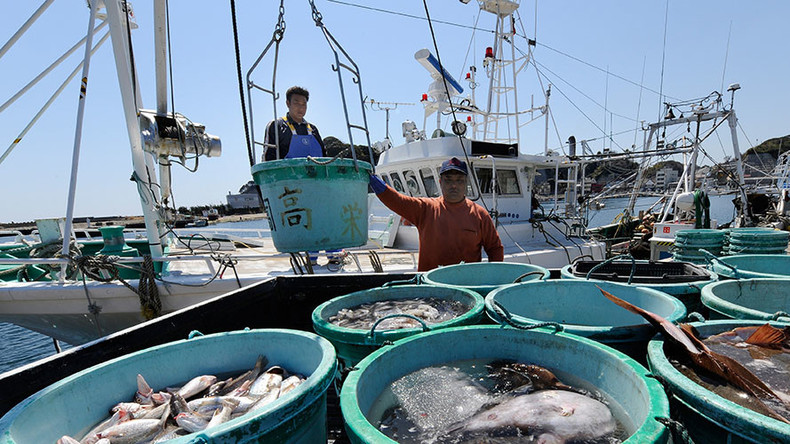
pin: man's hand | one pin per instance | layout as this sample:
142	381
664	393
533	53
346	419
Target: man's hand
376	184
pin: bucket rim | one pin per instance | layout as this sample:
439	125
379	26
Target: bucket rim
301	161
693	286
737	311
650	429
322	326
726	271
686	390
308	390
481	287
678	313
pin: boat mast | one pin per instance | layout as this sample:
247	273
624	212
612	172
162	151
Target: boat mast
119	31
495	64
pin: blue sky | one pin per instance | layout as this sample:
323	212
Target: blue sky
625	38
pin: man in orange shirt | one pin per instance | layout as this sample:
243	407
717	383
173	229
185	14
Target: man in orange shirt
452	228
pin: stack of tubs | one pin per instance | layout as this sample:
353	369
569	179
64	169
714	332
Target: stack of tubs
688	244
756	241
73	405
618	377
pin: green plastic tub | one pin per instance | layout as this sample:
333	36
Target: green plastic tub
483	277
73	405
313	207
353	344
708	417
747	266
583	310
681	280
616	375
761	299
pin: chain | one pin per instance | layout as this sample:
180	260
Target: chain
279	30
317	17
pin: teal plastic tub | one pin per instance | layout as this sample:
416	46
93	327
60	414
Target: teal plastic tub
73	405
748	266
682	281
583	310
619	377
761	299
354	344
313	207
708	417
483	277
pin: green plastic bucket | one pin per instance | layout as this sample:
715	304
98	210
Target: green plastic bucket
313	207
686	290
760	299
619	377
73	405
747	266
757	240
354	344
583	310
483	277
708	417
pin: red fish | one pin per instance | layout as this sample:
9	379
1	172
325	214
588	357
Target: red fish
726	368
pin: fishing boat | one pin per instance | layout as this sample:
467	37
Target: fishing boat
76	291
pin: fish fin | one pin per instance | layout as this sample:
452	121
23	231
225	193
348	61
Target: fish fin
768	336
669	329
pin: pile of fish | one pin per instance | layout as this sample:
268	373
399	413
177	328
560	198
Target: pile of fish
201	403
717	358
430	310
514	402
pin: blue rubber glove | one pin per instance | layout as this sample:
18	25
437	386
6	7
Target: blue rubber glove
376	184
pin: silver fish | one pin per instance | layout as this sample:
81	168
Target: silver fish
65	439
290	383
144	391
250	375
191	422
132	431
267	382
221	415
117	417
553	416
197	385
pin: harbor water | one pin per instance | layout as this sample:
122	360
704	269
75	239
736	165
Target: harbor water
19	346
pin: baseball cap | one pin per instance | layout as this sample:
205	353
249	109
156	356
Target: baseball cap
454	164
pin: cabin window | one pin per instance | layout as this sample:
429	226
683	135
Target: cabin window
507	182
411	183
386	179
397	183
429	182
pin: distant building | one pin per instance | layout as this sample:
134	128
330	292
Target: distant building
665	176
246	199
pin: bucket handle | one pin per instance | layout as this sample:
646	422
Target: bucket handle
610	260
710	257
694	316
505	315
781	316
193	334
417	280
531	273
372	333
676	429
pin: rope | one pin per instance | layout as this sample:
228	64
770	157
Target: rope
327	162
250	152
147	291
375	262
508	318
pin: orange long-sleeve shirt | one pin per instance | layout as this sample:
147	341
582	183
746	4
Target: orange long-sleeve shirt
450	233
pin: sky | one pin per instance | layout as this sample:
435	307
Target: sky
607	62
